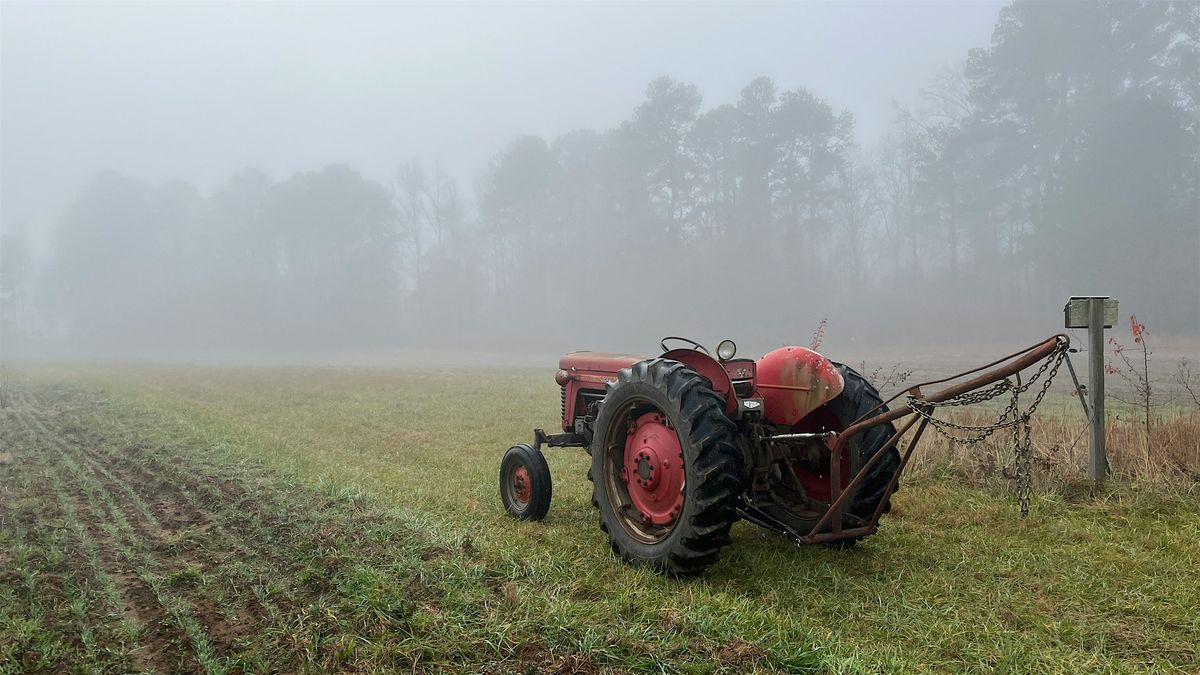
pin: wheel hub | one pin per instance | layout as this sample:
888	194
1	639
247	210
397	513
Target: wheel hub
653	470
521	488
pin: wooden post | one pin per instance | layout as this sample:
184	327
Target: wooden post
1097	457
1094	313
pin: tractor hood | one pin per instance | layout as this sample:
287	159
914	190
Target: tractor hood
598	362
794	381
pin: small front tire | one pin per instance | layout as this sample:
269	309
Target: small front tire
525	486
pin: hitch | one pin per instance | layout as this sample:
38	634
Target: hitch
564	440
1052	351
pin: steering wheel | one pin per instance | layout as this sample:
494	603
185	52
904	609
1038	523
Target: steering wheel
695	345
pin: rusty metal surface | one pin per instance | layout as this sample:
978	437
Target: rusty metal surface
1019	361
840	495
1012	364
795	381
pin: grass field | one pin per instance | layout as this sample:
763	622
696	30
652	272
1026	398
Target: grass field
283	519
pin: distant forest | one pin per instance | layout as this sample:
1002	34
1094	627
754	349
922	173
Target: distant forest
1062	158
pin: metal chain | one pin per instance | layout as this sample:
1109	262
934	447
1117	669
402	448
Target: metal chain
1023	451
1010	418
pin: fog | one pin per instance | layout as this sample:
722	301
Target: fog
278	181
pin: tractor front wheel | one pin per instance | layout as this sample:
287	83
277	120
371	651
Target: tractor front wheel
525	483
666	468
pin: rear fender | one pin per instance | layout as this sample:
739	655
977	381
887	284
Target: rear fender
795	381
712	369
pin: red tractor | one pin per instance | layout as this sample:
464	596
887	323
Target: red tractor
683	445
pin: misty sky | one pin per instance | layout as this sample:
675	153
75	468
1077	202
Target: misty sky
198	91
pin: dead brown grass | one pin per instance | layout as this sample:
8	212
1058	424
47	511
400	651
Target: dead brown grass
1171	456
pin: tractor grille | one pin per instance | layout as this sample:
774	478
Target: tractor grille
563	406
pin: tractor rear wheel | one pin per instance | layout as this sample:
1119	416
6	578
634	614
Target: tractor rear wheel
859	398
666	468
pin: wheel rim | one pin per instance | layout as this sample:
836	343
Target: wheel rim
520	488
644	472
816	483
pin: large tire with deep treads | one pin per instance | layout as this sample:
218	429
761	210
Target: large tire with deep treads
712	462
859	398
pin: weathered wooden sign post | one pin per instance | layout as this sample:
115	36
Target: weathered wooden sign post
1094	313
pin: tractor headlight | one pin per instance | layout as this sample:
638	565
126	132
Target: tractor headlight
726	350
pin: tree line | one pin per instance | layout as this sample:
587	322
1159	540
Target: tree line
1062	158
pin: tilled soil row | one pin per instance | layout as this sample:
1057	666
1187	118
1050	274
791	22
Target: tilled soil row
171	566
160	642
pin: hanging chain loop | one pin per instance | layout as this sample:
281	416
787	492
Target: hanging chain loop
1011	418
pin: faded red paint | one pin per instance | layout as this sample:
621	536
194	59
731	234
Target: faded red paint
817	483
598	362
795	381
708	367
740	369
587	371
653	470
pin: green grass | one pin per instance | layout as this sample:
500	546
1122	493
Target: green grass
954	581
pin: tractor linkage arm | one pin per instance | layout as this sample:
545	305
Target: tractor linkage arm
1014	363
565	440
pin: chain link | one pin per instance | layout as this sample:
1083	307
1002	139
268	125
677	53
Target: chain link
1023	459
1011	418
